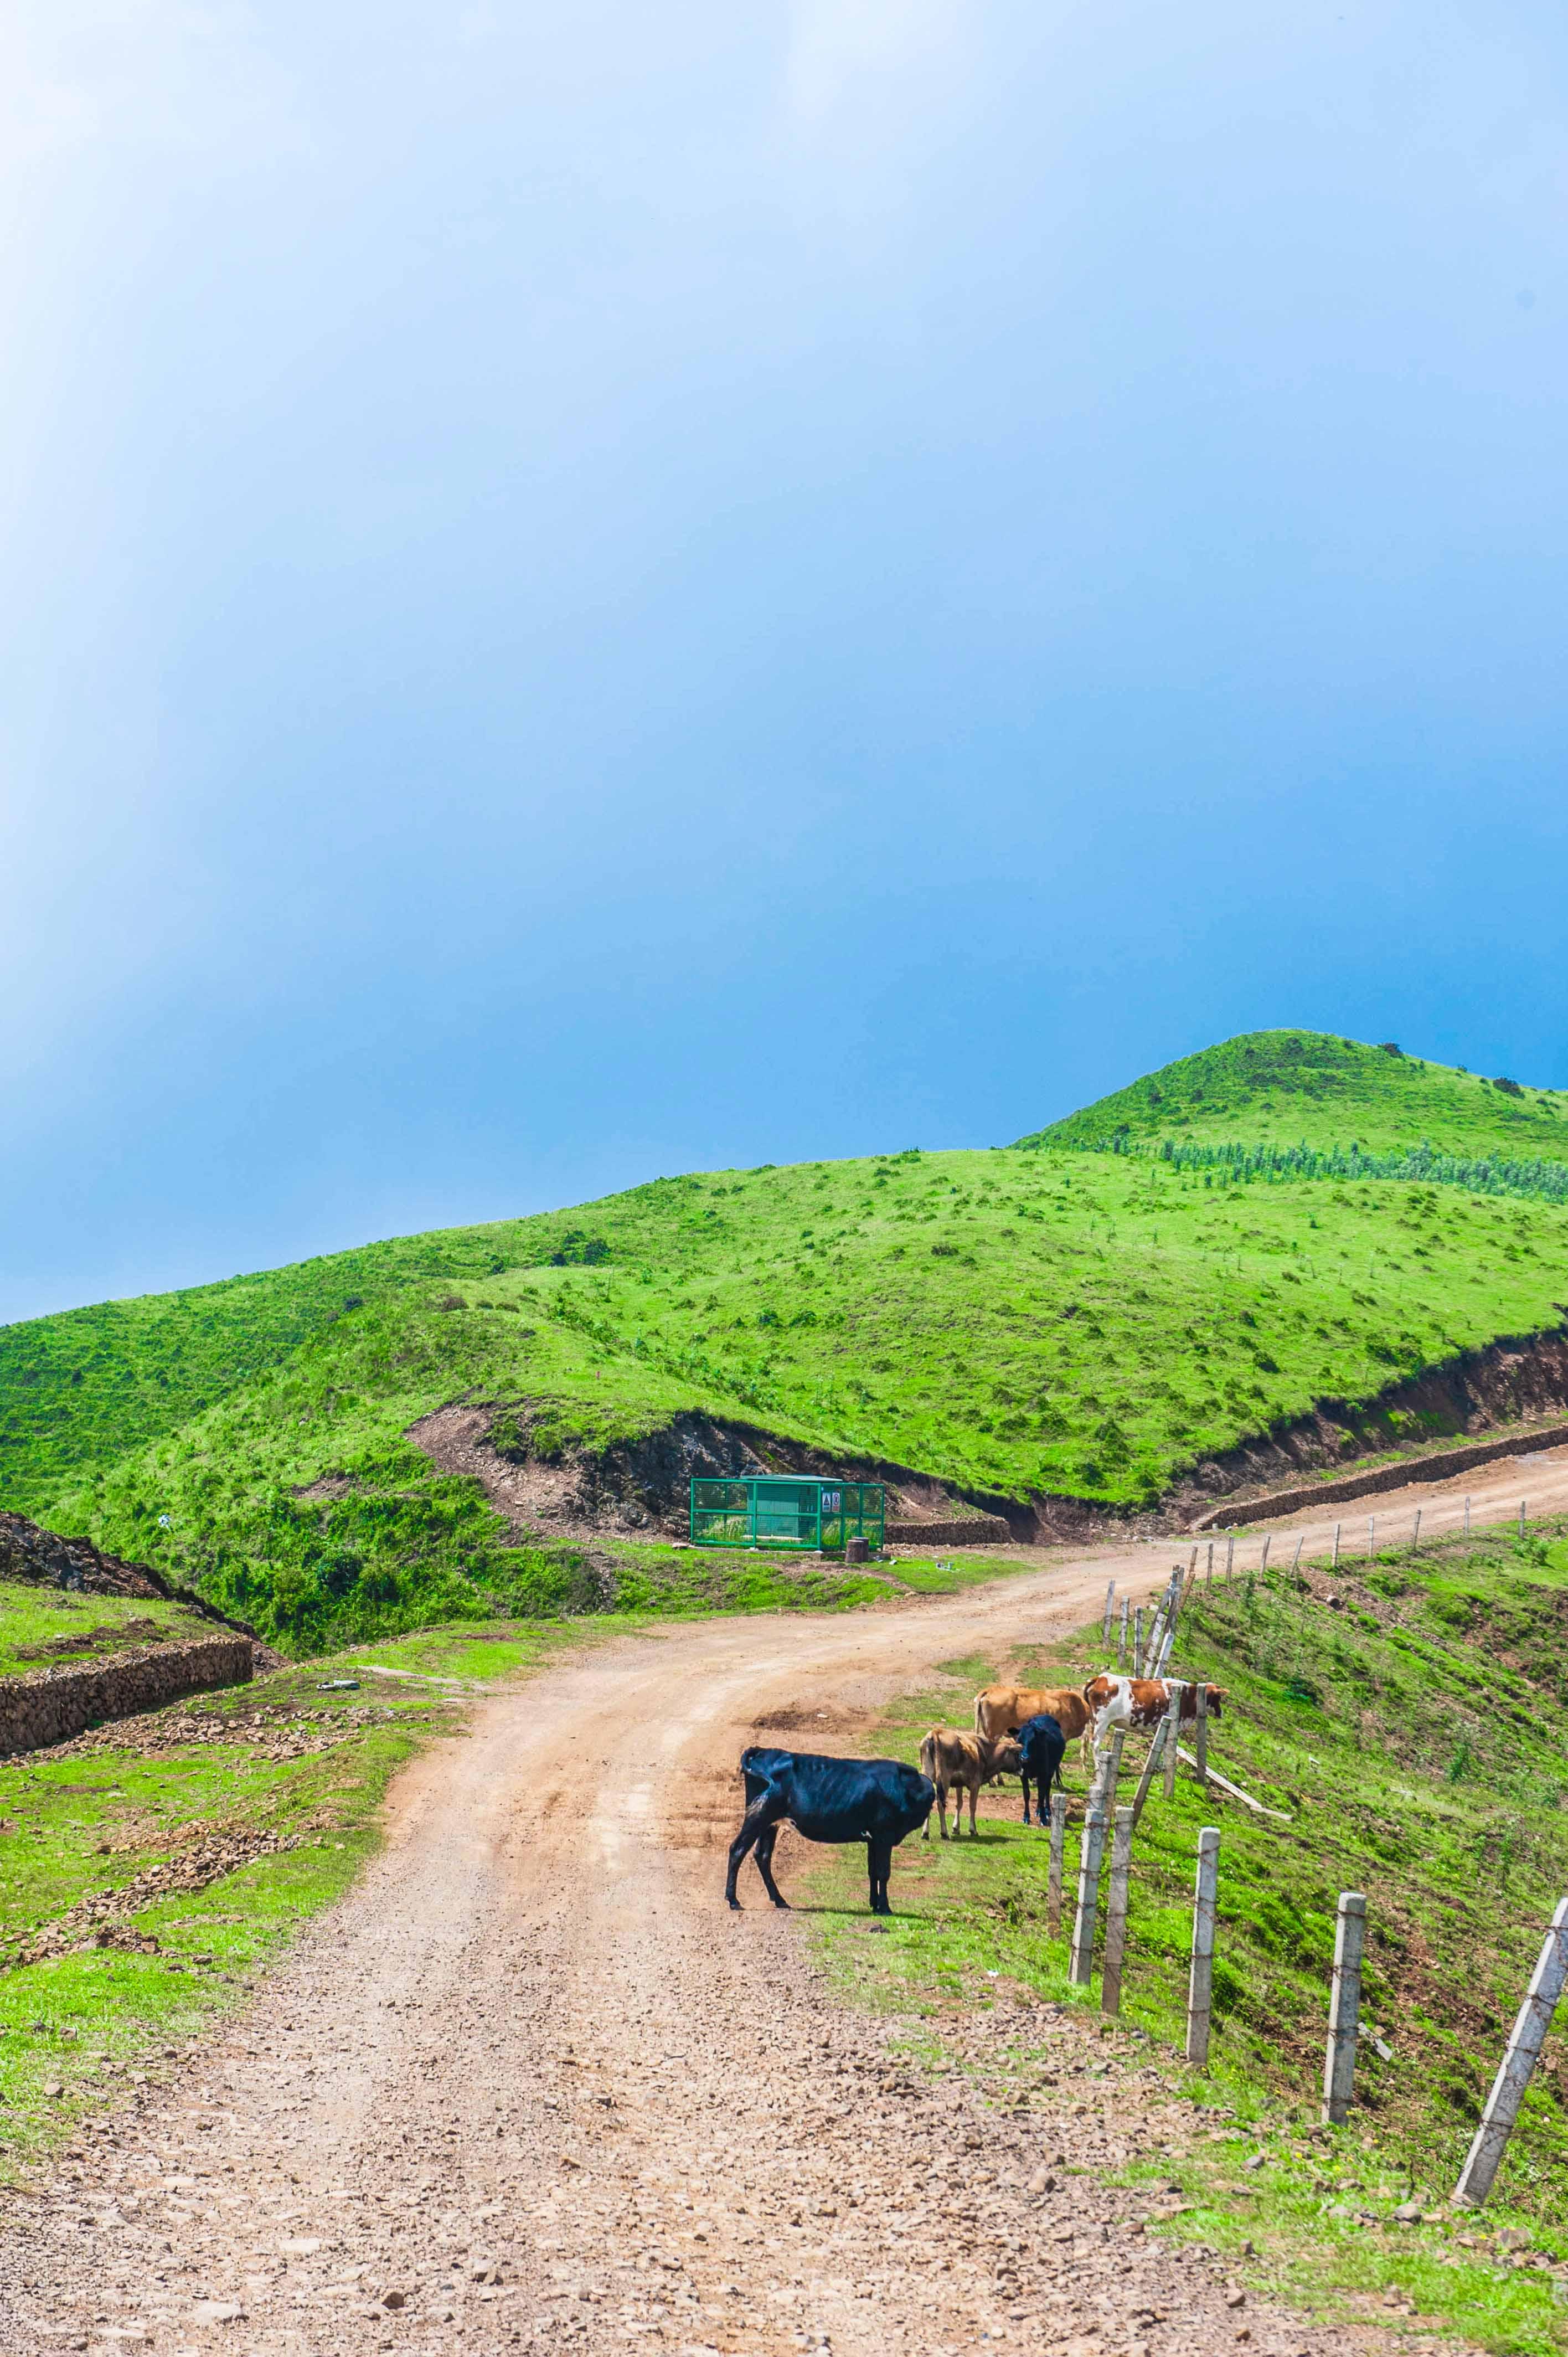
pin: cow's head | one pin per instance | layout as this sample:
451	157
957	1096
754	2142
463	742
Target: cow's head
1005	1758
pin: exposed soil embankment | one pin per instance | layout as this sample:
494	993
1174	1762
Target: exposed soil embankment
1514	1390
641	1488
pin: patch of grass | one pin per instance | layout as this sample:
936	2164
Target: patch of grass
45	1627
1348	1717
948	1575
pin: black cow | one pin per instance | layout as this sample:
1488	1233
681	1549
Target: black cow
1041	1744
874	1800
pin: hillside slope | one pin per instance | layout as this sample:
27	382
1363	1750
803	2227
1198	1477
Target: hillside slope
1288	1088
1016	1322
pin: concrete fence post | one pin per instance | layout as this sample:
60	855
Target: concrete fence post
1521	1504
1337	1528
1080	1964
1192	1569
1230	1557
1173	1734
1200	1982
1054	1878
1151	1766
1116	1911
1296	1559
1109	1607
1344	2005
1110	1769
1209	1575
1519	2058
1263	1565
1371	1536
1200	1729
1121	1634
1415	1542
1138	1642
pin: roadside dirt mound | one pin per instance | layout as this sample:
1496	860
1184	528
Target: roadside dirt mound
639	1488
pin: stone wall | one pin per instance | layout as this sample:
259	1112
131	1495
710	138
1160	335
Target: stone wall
977	1530
1445	1465
52	1706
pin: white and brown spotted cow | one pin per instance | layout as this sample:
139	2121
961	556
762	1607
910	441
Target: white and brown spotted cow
1138	1704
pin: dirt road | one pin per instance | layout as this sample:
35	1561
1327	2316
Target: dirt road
531	2085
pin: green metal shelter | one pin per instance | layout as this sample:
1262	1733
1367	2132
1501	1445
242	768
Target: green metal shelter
778	1510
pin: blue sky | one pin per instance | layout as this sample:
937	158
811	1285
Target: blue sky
595	592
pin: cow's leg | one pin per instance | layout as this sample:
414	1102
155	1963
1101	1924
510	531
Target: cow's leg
973	1796
942	1810
765	1866
764	1813
1024	1780
879	1864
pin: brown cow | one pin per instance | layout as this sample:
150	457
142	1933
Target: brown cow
959	1763
1002	1710
1140	1704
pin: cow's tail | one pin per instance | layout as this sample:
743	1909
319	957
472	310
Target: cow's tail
980	1714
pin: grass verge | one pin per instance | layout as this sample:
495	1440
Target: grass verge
151	1870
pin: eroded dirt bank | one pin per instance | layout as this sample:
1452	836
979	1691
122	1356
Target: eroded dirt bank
531	2086
640	1487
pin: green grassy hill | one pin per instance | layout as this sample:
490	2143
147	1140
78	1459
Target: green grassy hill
1018	1321
1288	1088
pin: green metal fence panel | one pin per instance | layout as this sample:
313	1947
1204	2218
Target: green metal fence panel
786	1510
